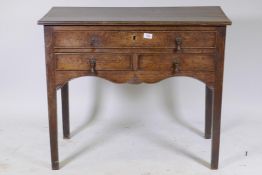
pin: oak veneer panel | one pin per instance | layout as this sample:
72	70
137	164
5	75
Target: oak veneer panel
103	61
187	62
120	39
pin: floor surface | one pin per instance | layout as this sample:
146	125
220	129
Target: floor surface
142	142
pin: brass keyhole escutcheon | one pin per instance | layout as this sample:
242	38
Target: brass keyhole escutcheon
134	37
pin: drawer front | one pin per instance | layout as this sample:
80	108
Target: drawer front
143	39
176	63
93	61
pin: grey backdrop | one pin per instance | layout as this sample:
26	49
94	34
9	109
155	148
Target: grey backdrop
23	83
23	89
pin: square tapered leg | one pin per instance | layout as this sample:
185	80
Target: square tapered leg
65	111
52	115
216	126
208	113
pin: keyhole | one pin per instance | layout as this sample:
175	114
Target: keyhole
134	37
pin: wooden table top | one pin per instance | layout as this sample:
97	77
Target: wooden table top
209	15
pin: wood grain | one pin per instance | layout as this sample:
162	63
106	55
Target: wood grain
217	101
135	16
81	61
51	96
122	39
109	43
187	62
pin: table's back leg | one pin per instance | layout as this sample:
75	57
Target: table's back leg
65	111
208	113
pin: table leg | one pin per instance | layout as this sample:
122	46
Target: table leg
208	117
52	115
65	111
216	125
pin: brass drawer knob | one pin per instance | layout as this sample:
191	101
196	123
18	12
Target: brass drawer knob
178	44
176	66
92	63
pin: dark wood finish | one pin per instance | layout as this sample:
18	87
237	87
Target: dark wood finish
135	45
135	16
186	62
217	101
208	119
78	61
51	94
65	111
123	39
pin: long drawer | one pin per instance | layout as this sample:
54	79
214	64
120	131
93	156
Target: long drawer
141	39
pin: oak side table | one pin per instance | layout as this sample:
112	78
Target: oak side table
135	45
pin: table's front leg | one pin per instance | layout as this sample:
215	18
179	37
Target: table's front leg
51	96
52	115
217	101
217	97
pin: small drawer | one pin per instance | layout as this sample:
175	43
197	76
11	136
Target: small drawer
176	62
140	39
93	62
